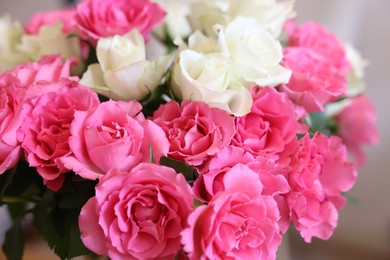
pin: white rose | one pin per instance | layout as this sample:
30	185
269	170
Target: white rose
270	14
209	78
10	36
206	13
255	50
122	72
355	78
175	22
50	40
201	43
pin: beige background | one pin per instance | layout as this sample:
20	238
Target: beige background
364	229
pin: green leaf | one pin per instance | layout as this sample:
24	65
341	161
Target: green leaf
5	181
321	123
16	210
59	226
26	182
179	167
14	242
151	156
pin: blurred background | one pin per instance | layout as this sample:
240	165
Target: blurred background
364	227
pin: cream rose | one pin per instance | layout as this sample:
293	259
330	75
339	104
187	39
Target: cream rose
10	35
123	73
356	75
270	14
50	40
175	22
210	78
255	51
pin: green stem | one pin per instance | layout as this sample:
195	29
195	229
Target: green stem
16	199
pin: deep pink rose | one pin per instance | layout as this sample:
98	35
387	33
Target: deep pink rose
194	130
108	137
103	18
239	223
313	36
270	128
137	214
357	126
210	181
12	98
313	82
65	16
320	173
46	130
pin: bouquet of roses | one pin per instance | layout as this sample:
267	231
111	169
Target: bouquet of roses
177	129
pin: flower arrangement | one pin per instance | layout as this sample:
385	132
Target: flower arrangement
177	129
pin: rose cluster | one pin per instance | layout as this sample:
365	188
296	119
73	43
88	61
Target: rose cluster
206	148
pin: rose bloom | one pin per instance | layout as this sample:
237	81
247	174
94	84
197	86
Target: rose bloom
209	78
122	72
313	82
109	137
239	223
46	128
270	128
65	16
48	69
137	214
12	98
256	53
210	181
10	35
357	126
102	18
317	38
194	130
319	175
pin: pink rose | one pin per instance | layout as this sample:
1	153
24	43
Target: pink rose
210	181
108	137
270	128
320	173
46	128
357	126
48	69
313	36
12	98
194	130
103	18
239	223
65	16
137	214
313	82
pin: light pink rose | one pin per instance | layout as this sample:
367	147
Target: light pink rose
270	128
48	69
194	130
319	175
65	16
108	137
12	98
46	130
313	82
137	214
210	181
357	126
313	36
103	18
239	223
